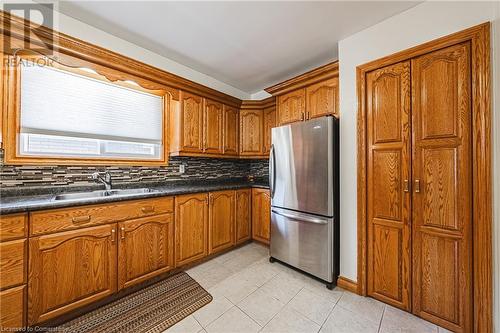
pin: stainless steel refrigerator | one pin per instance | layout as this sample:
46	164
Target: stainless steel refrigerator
304	187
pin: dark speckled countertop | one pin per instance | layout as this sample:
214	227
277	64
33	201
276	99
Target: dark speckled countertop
20	202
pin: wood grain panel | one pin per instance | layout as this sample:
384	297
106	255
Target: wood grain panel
243	228
442	164
12	315
388	172
145	248
221	220
70	269
192	122
191	227
55	220
261	215
251	132
322	99
212	127
269	124
13	226
13	256
231	130
292	107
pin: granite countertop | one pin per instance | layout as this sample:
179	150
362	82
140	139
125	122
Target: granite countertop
32	201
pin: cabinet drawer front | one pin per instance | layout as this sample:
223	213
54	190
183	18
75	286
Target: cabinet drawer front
13	227
12	308
77	217
12	263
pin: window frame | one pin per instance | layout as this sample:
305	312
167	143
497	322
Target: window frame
12	116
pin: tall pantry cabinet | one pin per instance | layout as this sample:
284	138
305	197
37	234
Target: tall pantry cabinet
419	181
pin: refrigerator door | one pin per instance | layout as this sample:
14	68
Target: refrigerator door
304	241
301	166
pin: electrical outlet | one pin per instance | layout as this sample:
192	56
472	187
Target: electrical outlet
182	168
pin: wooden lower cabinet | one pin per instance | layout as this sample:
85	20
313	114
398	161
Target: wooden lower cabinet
243	223
261	215
221	220
70	269
12	308
145	248
191	227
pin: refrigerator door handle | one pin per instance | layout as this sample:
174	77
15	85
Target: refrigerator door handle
302	218
272	174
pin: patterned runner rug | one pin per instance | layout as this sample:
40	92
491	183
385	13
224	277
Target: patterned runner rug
152	309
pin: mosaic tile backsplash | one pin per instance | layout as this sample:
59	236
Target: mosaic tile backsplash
195	168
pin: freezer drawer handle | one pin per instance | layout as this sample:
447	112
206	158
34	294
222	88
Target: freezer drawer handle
301	218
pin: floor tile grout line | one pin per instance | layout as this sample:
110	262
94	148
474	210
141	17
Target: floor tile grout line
333	308
220	314
381	319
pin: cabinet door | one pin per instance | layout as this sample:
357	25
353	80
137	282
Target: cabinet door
145	248
231	125
221	221
269	123
323	99
442	189
243	216
388	168
191	227
12	315
192	122
261	215
292	107
212	134
70	269
251	130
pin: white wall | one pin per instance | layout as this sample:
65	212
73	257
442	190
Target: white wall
75	28
420	24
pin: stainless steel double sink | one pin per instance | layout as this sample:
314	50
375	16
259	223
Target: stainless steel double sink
102	193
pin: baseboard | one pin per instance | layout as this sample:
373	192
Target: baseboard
347	284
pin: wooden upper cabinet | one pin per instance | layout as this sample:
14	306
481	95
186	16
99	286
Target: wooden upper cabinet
230	130
191	125
251	132
292	107
145	248
221	220
191	227
70	269
261	215
323	99
212	127
243	223
269	123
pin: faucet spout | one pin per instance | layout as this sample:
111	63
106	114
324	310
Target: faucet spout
106	180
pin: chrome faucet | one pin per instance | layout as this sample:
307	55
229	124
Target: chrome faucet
106	180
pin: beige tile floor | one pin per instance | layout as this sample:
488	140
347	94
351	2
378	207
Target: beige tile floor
252	295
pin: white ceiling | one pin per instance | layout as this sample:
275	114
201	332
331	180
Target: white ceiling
248	45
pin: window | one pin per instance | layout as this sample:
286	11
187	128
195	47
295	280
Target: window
64	114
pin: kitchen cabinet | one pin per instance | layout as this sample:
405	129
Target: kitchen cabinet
231	131
145	248
186	125
292	106
323	99
251	132
269	123
70	269
221	220
243	223
212	127
191	227
261	215
13	271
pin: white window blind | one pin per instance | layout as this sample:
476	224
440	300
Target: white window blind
63	113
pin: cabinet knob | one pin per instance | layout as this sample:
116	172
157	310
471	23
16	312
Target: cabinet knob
406	185
147	209
417	186
113	235
81	219
122	229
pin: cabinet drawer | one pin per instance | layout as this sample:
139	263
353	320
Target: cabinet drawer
13	227
12	308
12	263
77	217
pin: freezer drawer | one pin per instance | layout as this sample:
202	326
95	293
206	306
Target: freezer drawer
304	241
